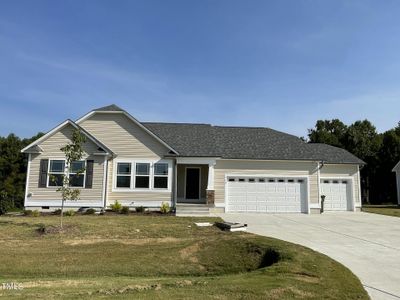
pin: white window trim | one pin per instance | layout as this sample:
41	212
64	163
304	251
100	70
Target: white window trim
132	187
50	173
157	175
74	173
65	173
127	175
149	175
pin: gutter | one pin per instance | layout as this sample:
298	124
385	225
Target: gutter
320	165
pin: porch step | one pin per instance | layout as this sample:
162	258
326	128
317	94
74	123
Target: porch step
186	210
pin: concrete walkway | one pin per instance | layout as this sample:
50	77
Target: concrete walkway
368	244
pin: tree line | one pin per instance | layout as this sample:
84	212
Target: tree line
380	151
13	166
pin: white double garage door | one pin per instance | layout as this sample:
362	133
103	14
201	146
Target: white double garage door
282	195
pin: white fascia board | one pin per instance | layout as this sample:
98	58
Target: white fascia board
46	136
197	160
396	167
58	128
129	116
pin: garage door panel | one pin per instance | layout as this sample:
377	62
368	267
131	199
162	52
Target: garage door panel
268	195
337	194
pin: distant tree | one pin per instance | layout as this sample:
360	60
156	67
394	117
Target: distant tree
329	132
362	139
379	151
13	166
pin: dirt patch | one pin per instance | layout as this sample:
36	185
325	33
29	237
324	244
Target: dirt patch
189	252
131	288
137	242
45	229
55	283
306	277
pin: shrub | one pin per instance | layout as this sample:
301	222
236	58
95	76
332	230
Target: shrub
27	212
90	211
35	213
70	213
139	209
5	204
164	209
116	206
125	210
57	211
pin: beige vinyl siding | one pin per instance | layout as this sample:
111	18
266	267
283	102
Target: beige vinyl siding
123	136
127	140
278	168
135	198
333	171
51	150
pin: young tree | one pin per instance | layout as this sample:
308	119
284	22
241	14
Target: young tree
73	152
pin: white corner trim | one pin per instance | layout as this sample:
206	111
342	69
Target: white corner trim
359	186
396	168
28	173
104	194
315	205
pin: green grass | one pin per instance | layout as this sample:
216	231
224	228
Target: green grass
161	257
388	210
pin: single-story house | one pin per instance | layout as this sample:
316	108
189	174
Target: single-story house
397	170
221	168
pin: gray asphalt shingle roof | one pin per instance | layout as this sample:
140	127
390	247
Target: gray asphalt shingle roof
245	143
111	107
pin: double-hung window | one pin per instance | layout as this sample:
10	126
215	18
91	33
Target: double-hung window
161	176
76	174
123	175
56	172
142	176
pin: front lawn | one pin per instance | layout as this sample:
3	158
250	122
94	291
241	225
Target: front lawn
388	210
161	257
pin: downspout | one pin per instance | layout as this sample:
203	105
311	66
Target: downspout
105	181
320	165
175	184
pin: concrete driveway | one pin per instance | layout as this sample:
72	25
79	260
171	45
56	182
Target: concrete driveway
368	244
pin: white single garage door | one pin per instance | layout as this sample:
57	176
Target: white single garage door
266	195
337	194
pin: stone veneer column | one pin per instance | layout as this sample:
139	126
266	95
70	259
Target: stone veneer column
210	185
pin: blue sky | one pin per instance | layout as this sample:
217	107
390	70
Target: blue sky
279	64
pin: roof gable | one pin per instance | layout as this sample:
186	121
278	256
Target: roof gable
35	148
396	167
114	109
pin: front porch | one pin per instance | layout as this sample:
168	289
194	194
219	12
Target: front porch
194	181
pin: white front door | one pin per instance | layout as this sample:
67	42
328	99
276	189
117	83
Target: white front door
266	194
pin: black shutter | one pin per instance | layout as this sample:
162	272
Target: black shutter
89	174
44	163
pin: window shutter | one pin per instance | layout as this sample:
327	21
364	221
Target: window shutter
44	163
89	174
